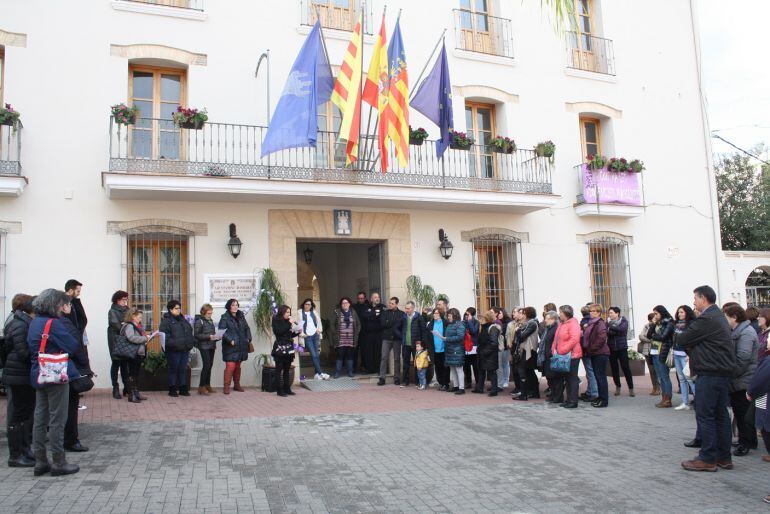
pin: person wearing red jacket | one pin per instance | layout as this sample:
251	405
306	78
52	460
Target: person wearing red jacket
567	340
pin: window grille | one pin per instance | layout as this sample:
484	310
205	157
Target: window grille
758	288
498	279
608	262
158	269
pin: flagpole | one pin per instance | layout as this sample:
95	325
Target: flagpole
266	56
369	119
417	82
361	82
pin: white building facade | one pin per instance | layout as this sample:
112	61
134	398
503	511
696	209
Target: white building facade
147	208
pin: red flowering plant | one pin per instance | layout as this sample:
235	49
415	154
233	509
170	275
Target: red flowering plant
417	136
9	116
614	164
123	114
460	140
503	144
189	117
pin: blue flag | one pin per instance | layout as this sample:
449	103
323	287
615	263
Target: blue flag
309	85
434	100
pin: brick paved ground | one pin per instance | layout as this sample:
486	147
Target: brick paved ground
393	450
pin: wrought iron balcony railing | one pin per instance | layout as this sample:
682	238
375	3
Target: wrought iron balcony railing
336	16
10	149
157	146
195	5
590	53
482	33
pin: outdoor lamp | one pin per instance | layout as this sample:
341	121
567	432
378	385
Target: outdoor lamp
446	246
308	255
235	243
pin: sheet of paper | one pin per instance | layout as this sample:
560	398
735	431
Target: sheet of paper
220	332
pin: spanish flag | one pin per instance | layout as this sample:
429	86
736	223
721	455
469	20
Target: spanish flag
347	94
376	89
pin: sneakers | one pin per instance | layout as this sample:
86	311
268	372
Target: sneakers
420	387
683	406
325	376
317	376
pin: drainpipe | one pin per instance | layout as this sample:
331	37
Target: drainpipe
712	183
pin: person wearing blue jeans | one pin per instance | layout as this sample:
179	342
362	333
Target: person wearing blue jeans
179	340
592	391
177	370
311	334
708	342
661	333
685	384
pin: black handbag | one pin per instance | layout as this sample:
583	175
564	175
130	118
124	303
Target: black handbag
124	349
82	384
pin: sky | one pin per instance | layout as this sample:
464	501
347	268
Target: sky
735	37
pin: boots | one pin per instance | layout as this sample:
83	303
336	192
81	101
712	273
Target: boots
655	391
172	391
203	391
237	380
61	467
228	379
26	446
665	402
631	393
116	391
132	396
210	389
16	456
617	390
137	392
184	390
41	463
280	386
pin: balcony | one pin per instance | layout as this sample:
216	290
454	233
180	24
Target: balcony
221	162
11	181
609	194
482	33
590	53
335	15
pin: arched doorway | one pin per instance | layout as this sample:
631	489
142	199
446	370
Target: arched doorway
758	288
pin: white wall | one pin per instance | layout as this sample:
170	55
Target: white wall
65	79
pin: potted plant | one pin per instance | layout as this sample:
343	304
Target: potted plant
502	144
636	166
124	115
460	141
596	162
416	137
617	164
8	116
190	118
545	149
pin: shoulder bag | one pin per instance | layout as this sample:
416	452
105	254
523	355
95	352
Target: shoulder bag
125	349
52	367
560	363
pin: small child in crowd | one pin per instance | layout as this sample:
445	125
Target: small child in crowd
421	363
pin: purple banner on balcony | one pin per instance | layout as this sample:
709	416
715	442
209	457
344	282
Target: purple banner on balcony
602	186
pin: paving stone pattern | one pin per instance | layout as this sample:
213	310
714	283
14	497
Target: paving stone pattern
482	457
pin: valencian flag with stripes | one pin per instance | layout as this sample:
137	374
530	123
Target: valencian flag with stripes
395	118
376	88
347	94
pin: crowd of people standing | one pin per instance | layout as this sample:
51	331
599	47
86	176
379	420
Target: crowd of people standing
718	353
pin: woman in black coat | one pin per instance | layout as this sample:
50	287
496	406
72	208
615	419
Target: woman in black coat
115	317
487	351
179	342
16	376
285	330
235	343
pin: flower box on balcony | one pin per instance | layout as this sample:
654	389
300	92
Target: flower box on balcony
460	141
190	118
502	144
416	137
192	124
124	115
457	146
545	149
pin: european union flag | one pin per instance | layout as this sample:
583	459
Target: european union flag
309	85
434	100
